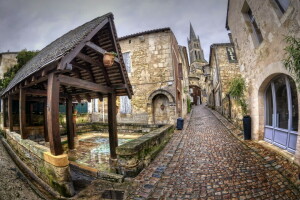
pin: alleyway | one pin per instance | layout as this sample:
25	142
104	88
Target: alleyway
207	162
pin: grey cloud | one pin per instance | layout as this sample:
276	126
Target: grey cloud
33	24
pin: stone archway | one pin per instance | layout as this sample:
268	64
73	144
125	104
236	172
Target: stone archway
195	92
162	107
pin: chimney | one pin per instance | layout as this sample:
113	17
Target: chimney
230	38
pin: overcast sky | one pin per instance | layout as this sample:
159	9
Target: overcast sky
32	24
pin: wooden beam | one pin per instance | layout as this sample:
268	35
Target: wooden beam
114	35
45	122
10	117
112	125
22	113
83	84
99	50
95	63
36	92
70	56
70	123
53	114
80	66
5	117
85	68
88	59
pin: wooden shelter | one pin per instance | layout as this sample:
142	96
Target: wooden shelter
67	70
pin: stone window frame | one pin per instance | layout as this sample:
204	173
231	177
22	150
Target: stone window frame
281	16
252	25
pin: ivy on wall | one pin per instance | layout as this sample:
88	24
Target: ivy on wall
237	88
292	59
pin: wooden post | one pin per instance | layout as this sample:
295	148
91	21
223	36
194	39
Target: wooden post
10	117
5	112
45	122
74	119
112	124
22	113
70	123
53	114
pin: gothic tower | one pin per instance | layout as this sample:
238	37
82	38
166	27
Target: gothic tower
195	49
196	75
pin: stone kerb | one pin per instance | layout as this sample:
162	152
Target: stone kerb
133	156
53	170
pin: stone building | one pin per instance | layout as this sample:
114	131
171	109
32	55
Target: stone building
158	70
223	68
197	61
7	60
258	30
184	64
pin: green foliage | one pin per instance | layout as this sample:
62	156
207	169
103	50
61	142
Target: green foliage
62	120
292	60
23	57
237	87
189	105
236	91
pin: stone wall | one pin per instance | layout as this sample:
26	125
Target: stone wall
53	170
121	127
135	155
224	68
7	60
260	62
152	70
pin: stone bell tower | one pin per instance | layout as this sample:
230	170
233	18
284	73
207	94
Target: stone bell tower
196	75
195	49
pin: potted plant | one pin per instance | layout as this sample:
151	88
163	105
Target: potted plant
108	58
236	91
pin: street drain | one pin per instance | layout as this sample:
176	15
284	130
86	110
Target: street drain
113	194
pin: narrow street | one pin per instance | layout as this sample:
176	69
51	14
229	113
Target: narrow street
207	162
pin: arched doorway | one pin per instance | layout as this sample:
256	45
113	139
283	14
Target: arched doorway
195	93
281	113
160	105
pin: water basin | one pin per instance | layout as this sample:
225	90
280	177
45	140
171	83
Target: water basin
94	152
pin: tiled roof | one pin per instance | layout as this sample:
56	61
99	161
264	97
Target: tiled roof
56	50
145	32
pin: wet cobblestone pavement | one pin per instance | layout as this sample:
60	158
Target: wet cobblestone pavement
207	162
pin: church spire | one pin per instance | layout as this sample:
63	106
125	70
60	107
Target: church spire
195	49
192	32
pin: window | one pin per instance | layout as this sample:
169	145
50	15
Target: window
125	105
127	61
254	26
95	107
283	5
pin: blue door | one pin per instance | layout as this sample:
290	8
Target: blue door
281	116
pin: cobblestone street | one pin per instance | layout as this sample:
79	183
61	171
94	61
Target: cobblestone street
206	162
